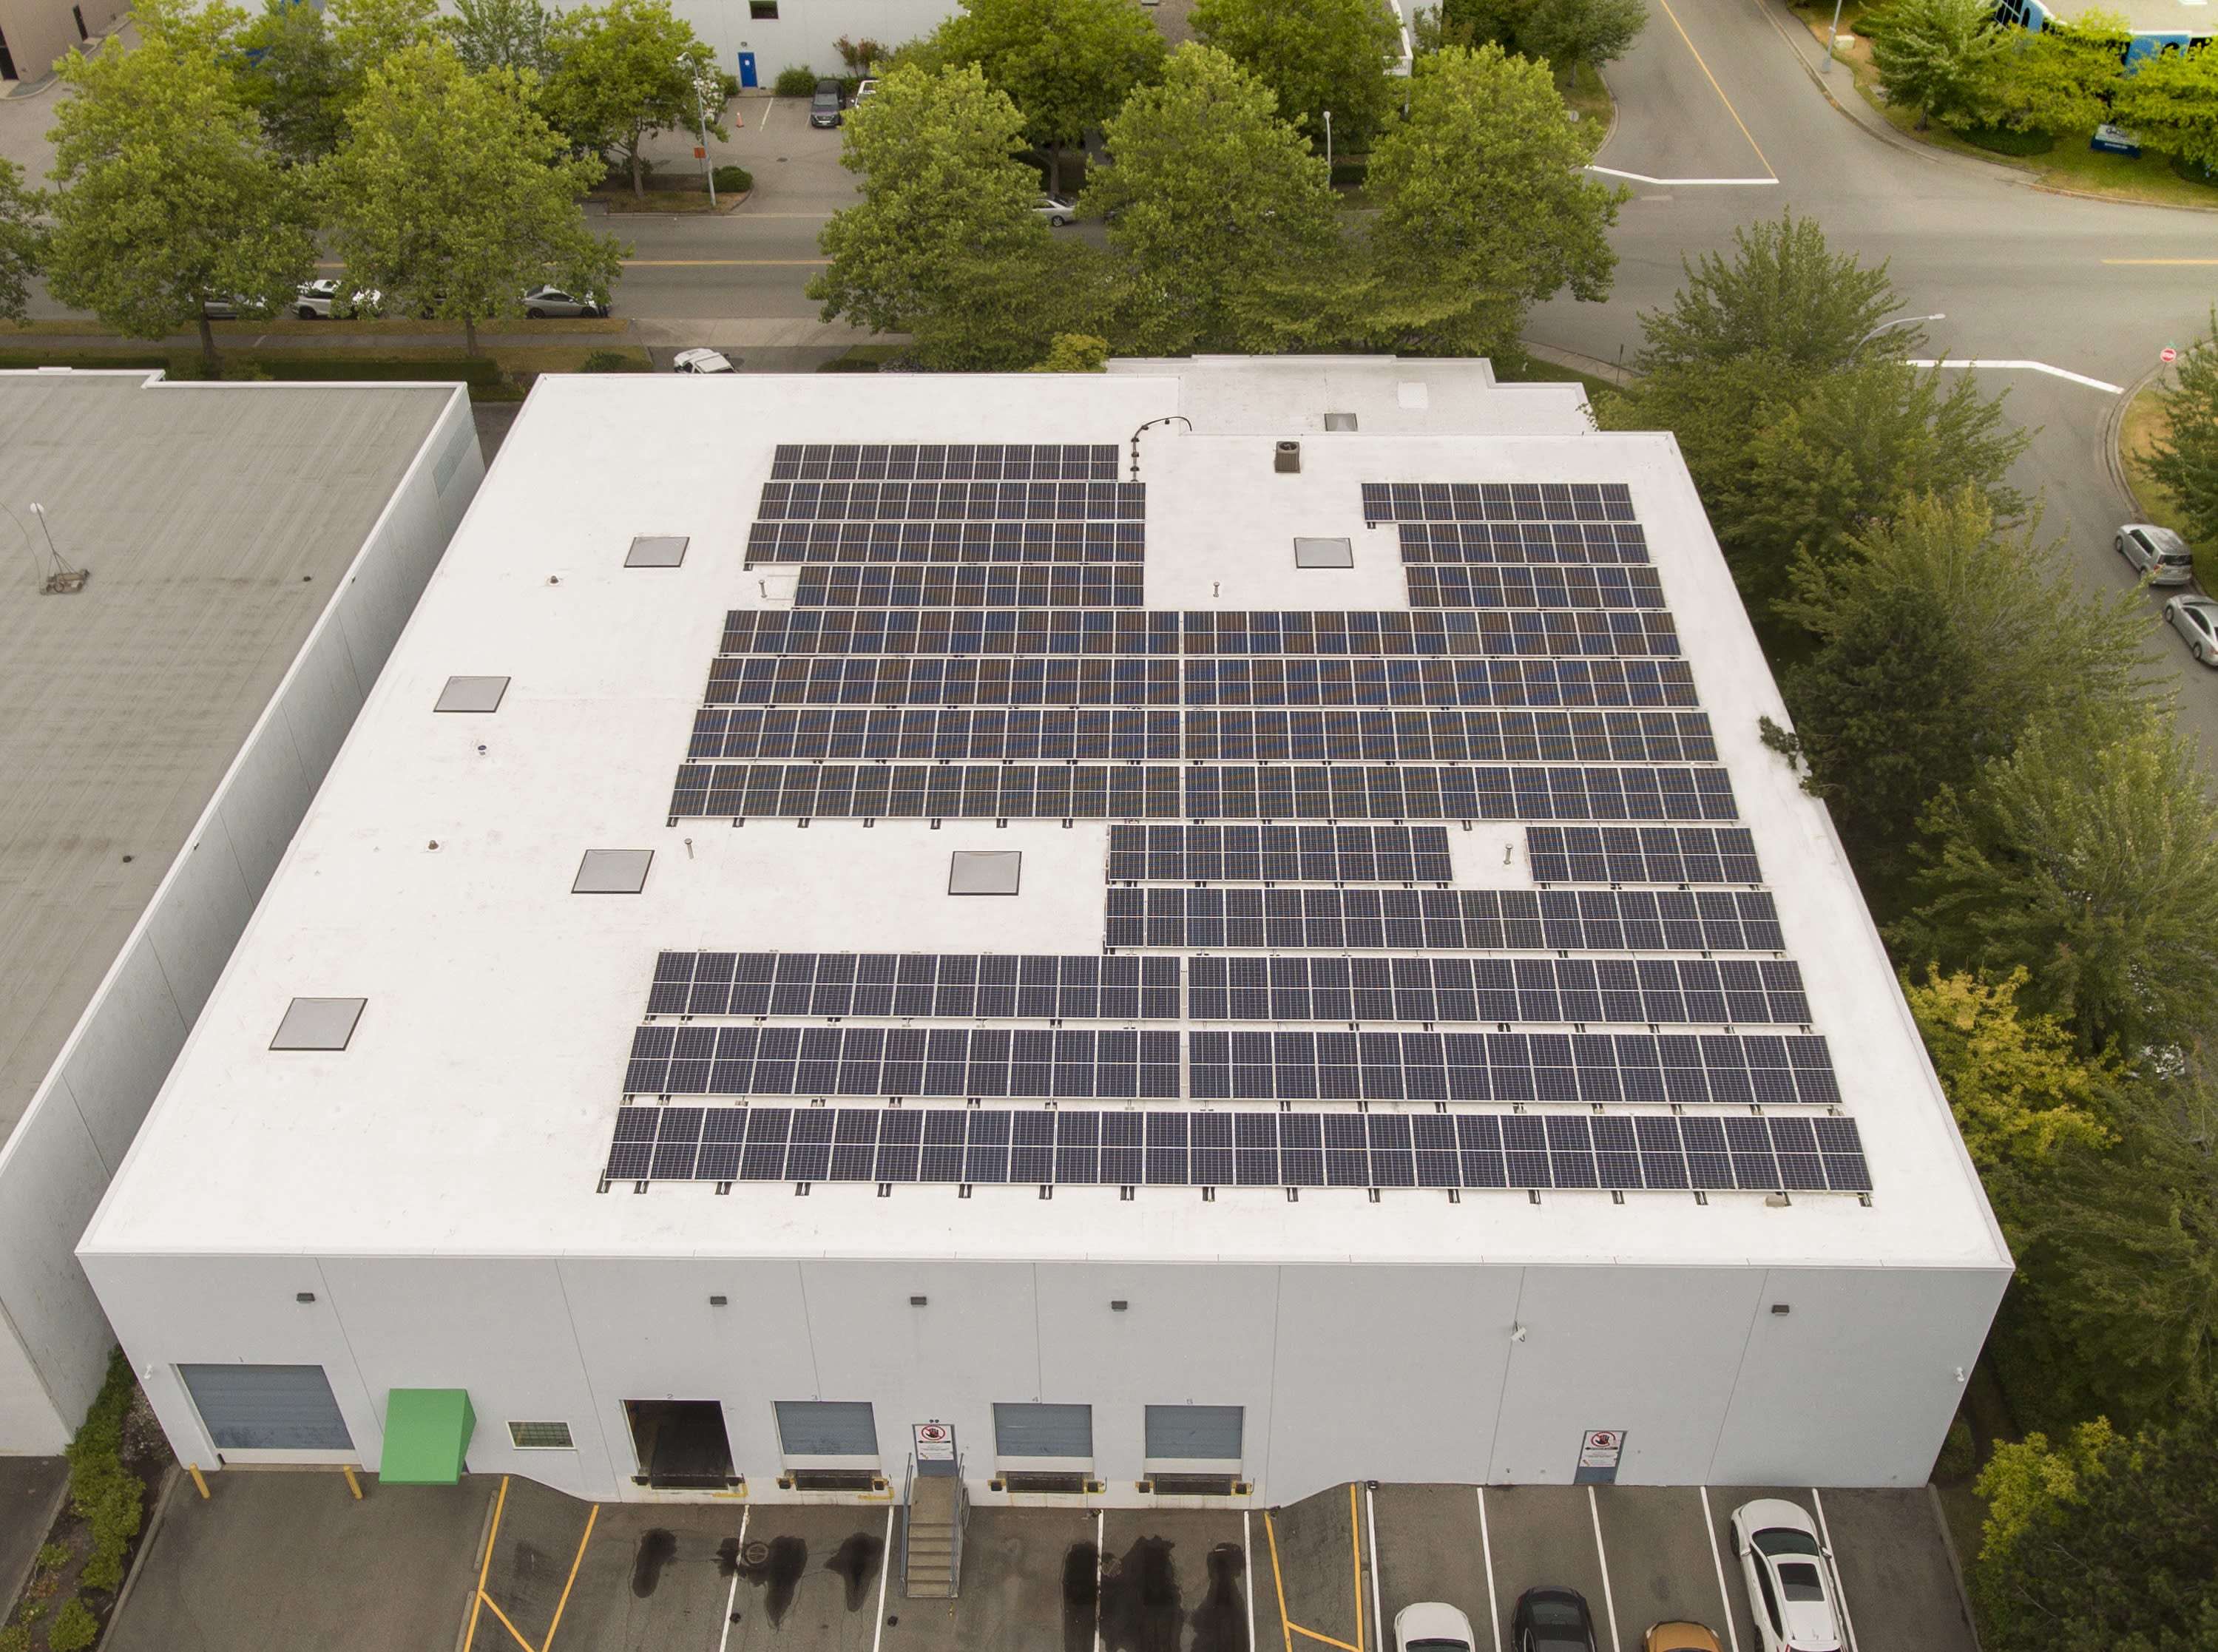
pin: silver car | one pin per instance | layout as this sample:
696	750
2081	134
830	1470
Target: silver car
233	307
2195	618
543	301
702	360
2158	552
1058	210
319	300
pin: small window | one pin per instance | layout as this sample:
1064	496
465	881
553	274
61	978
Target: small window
1340	421
318	1023
984	871
541	1436
763	12
657	551
1324	553
471	694
612	871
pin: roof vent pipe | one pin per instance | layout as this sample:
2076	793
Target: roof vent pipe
1286	458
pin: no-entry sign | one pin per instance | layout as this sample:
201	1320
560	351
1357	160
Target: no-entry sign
1599	1451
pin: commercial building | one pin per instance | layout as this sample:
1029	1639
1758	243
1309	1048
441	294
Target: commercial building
35	33
200	585
1198	932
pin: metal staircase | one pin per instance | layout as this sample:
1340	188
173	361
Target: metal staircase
937	1509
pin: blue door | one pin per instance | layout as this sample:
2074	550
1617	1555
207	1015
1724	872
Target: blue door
746	69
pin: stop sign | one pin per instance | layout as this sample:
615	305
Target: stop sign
2167	354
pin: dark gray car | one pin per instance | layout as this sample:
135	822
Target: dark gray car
824	107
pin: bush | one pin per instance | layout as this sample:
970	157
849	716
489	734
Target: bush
798	80
1960	1452
74	1628
2001	140
15	1638
733	180
52	1557
103	1491
613	361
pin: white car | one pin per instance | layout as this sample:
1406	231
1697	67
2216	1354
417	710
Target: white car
319	300
233	307
1791	1590
2158	552
2195	618
703	361
543	301
1058	210
1432	1626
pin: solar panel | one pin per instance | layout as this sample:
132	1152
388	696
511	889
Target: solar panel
962	986
1430	920
1578	990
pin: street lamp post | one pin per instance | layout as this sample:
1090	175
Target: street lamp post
1327	149
1832	36
701	113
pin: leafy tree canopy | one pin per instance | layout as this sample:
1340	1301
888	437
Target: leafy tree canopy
23	241
626	70
1482	208
1067	64
2171	103
1939	57
2091	865
2186	462
2059	79
1570	32
1318	55
452	196
290	71
1213	198
498	35
169	194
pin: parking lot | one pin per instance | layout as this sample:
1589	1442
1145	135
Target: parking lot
289	1561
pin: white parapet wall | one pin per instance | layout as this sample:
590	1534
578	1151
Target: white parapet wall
54	1340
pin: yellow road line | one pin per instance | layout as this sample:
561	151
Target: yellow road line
2197	262
484	1569
1285	1622
591	1515
1719	90
1327	1639
724	263
1355	1550
494	1606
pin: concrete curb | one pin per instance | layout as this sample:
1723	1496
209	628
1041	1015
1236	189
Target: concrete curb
170	1483
483	1556
1956	1563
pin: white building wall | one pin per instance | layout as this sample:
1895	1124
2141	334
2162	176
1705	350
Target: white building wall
53	1168
1379	1372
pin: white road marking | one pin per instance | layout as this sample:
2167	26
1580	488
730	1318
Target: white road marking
1486	1548
2032	367
885	1569
1609	1600
1826	1532
1377	1619
1642	177
1247	1565
1710	1526
1100	1520
732	1593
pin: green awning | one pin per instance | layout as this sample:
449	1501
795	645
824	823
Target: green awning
427	1434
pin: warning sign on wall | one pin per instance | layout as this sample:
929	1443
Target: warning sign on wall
1599	1451
935	1442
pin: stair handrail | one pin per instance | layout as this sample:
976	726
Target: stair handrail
909	1519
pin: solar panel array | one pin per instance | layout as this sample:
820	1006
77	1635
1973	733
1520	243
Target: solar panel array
1658	991
1445	920
950	987
968	640
1087	1147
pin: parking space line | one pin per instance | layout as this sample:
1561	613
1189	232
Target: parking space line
1601	1555
1377	1616
592	1514
1486	1548
1725	1595
485	1567
1355	1553
885	1570
1278	1580
1100	1537
1247	1565
494	1606
1824	1531
739	1555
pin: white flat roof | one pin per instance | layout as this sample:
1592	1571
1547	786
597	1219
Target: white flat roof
472	1111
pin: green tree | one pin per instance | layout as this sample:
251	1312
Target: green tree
1067	64
1075	352
628	69
2186	462
1941	641
1568	33
2110	1545
451	196
1483	210
1215	200
2060	78
500	34
944	244
23	241
1938	56
2019	1089
291	72
1318	55
1839	460
365	33
2093	865
2171	103
169	194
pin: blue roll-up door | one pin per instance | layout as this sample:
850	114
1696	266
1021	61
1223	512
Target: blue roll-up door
1060	1431
1194	1433
827	1428
268	1408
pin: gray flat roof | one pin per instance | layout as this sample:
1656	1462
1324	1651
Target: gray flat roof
216	520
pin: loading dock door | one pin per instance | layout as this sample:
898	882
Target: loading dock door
267	1407
1043	1431
1183	1433
812	1429
681	1443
